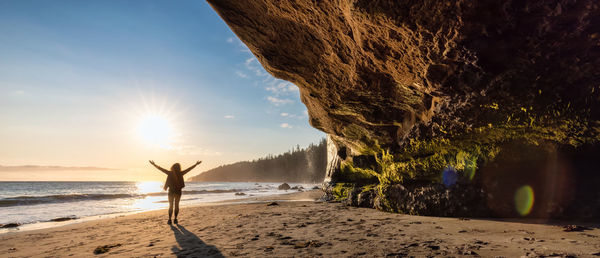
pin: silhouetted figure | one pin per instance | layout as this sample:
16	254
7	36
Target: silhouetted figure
174	183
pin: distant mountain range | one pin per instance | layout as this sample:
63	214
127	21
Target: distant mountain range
297	165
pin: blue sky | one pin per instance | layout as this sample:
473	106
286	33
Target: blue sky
76	77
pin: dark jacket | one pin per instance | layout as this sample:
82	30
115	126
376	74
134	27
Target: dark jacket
174	181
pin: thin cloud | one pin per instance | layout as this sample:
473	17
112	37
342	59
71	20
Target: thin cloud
229	117
17	93
230	40
279	102
285	125
285	114
254	66
280	92
48	168
241	74
279	87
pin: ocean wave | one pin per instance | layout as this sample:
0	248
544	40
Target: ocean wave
199	192
213	191
33	200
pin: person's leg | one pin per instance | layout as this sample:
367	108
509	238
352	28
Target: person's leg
177	199
171	200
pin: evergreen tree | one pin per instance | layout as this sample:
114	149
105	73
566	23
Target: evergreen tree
296	165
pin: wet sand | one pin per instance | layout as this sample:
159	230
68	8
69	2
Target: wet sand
300	228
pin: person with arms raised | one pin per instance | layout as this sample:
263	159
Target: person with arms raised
174	184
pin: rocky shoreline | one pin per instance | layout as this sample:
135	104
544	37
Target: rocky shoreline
461	200
306	229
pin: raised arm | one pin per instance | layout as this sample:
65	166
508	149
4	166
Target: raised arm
159	168
190	168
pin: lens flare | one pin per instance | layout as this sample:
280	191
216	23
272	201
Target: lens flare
524	200
470	167
449	176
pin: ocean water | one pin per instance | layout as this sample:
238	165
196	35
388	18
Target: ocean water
36	204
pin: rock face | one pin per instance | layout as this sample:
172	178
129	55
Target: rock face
406	89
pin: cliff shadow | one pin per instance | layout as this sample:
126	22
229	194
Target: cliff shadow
544	182
582	225
191	245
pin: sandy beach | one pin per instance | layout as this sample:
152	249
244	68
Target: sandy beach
298	225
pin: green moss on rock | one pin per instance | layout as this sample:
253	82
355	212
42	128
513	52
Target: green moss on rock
349	173
425	159
370	187
341	190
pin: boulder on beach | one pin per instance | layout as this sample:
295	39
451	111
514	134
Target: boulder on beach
105	248
63	219
9	225
284	186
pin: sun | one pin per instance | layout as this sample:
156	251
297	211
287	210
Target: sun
155	131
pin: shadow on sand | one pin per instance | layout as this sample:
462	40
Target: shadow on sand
584	224
191	245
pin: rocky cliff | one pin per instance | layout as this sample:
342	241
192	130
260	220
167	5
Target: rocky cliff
495	102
